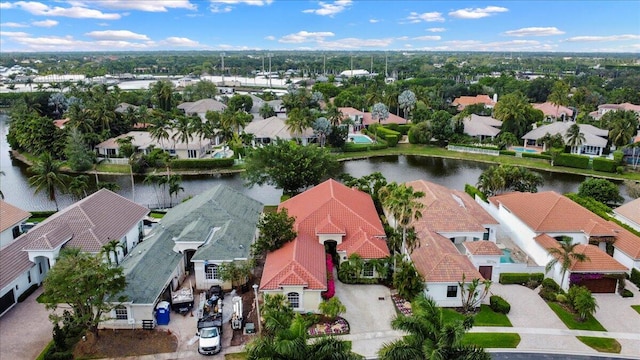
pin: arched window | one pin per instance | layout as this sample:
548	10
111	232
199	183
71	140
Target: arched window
121	313
294	299
211	272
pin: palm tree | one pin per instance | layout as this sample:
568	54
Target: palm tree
184	130
154	180
565	254
622	126
574	137
78	186
159	130
175	186
334	115
163	94
112	247
430	335
47	176
298	120
513	110
379	112
559	95
402	203
407	101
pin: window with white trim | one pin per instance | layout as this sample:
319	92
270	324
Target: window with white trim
121	313
192	154
294	299
367	269
452	291
211	272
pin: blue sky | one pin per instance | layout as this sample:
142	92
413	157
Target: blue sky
147	25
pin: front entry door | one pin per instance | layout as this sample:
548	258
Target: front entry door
486	272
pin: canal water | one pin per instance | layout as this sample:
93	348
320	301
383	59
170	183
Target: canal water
451	173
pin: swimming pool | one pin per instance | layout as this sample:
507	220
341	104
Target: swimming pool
522	149
506	257
359	139
222	154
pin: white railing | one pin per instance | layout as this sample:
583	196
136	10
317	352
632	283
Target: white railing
118	161
473	150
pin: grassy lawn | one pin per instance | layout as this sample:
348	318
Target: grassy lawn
488	317
157	215
485	317
569	319
492	340
113	168
636	308
45	350
601	344
270	208
235	356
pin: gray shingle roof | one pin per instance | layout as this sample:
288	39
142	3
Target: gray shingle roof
593	136
231	216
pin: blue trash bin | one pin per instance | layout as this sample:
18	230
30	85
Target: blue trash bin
162	313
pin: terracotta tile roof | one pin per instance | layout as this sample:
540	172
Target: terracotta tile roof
482	247
447	210
599	261
630	210
464	101
90	223
11	216
549	211
438	260
367	119
329	208
550	109
626	241
598	228
60	123
13	262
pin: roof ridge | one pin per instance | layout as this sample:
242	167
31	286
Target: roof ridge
557	200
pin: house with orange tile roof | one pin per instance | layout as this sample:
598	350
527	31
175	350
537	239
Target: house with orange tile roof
537	221
363	118
553	112
454	233
605	108
463	101
11	217
88	224
330	218
629	213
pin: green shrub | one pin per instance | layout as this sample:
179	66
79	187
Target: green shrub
549	283
536	156
392	140
201	163
620	170
626	293
635	277
576	291
499	305
572	160
27	292
561	298
63	355
507	152
519	278
548	294
404	129
606	165
352	147
473	191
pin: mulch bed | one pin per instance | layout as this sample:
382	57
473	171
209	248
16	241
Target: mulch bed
403	306
121	343
339	326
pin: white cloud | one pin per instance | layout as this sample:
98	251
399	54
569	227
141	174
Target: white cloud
218	9
13	25
373	21
270	37
427	38
13	34
475	45
116	35
234	47
330	9
246	2
180	41
355	43
415	17
144	5
438	29
604	38
535	31
305	36
6	5
477	13
45	23
78	12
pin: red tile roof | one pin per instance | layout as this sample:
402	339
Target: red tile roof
328	208
367	119
438	260
464	101
550	109
482	247
598	261
630	210
11	216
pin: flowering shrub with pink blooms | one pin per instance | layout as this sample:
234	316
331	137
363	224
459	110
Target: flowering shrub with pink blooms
331	283
338	327
402	305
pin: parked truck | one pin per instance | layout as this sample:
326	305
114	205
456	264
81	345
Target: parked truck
209	324
181	298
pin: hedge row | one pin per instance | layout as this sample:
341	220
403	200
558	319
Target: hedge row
353	147
573	161
536	156
520	278
401	128
473	191
201	163
635	277
507	152
606	165
392	137
499	305
477	146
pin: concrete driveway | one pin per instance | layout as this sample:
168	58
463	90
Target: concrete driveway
616	315
369	313
25	329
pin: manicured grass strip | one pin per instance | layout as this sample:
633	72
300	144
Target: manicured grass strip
601	344
451	315
157	215
113	168
569	319
636	308
45	350
488	317
492	340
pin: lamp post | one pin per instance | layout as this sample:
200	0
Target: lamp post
255	293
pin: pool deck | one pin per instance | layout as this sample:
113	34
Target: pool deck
529	149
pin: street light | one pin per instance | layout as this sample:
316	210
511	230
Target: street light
255	292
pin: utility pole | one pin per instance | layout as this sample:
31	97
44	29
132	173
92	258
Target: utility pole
324	65
270	54
222	55
371	64
352	65
386	72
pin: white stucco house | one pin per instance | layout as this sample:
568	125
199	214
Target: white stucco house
195	148
537	222
629	213
11	217
595	139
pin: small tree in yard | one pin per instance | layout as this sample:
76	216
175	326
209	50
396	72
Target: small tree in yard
236	272
85	283
276	229
473	293
332	308
407	280
583	301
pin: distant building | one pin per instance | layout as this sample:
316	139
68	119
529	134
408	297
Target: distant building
464	101
605	108
553	112
595	139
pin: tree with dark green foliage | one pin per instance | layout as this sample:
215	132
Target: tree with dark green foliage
79	156
47	176
86	284
240	103
203	89
276	229
406	278
501	178
266	111
430	335
289	166
565	254
622	126
163	94
514	112
601	190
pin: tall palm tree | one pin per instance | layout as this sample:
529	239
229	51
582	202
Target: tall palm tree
430	335
402	203
575	138
334	115
47	176
379	112
163	94
175	186
565	254
407	101
78	186
112	247
298	120
513	110
154	180
559	95
184	130
622	127
159	130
